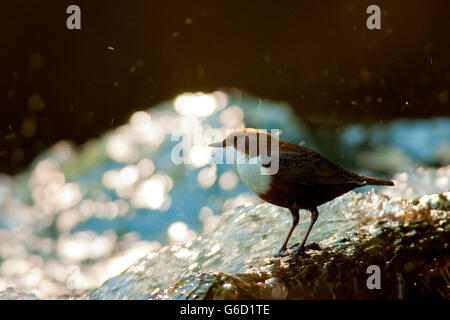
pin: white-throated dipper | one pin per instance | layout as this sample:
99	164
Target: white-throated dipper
290	176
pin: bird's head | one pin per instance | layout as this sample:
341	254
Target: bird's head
248	141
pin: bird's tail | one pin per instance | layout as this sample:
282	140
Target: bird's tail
377	181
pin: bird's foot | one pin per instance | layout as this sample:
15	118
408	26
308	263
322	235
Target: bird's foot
299	251
302	248
281	253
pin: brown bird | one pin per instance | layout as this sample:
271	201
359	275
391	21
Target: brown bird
290	176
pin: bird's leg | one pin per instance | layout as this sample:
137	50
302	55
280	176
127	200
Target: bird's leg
295	217
314	216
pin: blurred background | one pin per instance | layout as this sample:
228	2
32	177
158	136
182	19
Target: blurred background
87	116
317	56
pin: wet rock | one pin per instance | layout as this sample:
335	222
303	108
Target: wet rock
358	230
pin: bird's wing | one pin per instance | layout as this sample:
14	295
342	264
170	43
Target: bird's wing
308	167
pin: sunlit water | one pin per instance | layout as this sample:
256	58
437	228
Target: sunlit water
77	218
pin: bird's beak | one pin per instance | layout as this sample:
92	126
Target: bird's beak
218	144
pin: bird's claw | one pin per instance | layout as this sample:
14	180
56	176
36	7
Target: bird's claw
299	251
281	253
302	249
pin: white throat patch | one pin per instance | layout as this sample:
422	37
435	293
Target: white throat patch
250	173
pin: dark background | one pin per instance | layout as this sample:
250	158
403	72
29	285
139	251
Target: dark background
129	55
